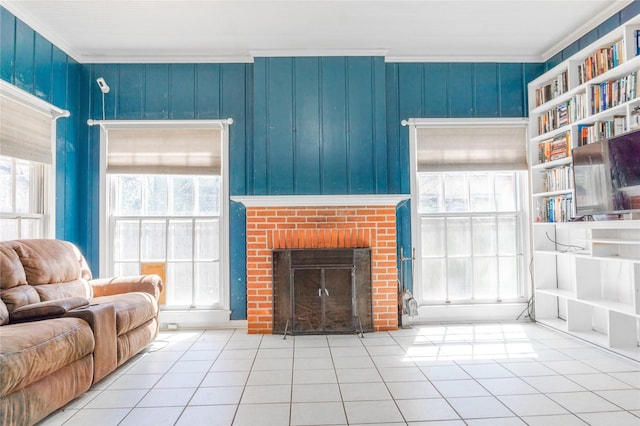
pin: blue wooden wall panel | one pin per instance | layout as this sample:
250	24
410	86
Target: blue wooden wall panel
156	92
379	123
436	90
42	68
280	139
361	144
512	91
24	57
238	261
182	95
307	126
630	11
571	50
486	97
7	45
131	92
588	38
258	173
207	90
334	126
393	131
235	103
461	101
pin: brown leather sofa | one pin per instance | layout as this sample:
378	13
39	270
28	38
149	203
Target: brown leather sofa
62	331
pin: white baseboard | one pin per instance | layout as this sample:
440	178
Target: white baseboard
466	313
180	319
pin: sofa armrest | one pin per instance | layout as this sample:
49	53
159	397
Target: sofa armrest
102	320
46	310
151	284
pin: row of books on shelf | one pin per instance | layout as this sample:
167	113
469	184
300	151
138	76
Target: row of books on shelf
601	61
554	209
563	114
593	132
558	179
552	89
554	148
609	94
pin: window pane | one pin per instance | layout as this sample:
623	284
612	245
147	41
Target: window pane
6	185
154	240
22	188
430	193
484	236
433	237
207	283
485	278
180	240
481	192
124	269
157	199
126	240
456	192
507	235
209	195
459	278
179	284
9	229
433	279
30	228
458	236
509	279
183	196
505	192
207	239
129	199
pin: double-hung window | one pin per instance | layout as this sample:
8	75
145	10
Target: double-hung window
165	191
469	212
27	161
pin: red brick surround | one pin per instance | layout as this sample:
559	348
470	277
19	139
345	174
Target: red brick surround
271	228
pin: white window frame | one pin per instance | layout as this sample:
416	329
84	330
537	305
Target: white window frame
105	199
46	187
462	311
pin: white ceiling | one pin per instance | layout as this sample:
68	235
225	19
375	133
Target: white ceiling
237	30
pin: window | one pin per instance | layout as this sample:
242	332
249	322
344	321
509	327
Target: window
471	239
173	220
27	162
469	209
166	202
22	213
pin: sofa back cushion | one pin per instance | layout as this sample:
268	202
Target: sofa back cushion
53	269
51	261
14	290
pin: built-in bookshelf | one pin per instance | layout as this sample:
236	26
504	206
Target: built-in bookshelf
586	274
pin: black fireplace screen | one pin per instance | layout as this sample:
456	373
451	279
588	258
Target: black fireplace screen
322	291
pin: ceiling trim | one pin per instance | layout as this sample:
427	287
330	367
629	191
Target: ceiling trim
272	53
607	13
426	59
141	59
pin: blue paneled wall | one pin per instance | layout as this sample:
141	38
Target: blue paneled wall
319	126
32	63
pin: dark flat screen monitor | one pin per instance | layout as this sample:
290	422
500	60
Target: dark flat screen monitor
607	175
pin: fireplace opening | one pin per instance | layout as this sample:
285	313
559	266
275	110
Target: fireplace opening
322	291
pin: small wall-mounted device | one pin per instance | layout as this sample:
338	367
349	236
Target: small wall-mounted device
104	87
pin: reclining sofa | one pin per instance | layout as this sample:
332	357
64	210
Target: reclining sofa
61	331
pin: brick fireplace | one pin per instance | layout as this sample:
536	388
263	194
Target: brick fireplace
297	222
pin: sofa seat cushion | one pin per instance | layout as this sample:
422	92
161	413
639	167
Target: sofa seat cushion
33	350
132	309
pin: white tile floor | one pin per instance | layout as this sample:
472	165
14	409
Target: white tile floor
482	374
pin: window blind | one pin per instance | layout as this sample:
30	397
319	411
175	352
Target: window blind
25	132
164	151
471	148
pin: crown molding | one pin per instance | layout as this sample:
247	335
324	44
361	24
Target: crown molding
273	53
607	13
461	59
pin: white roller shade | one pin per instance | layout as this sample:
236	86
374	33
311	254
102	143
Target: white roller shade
25	132
164	151
471	148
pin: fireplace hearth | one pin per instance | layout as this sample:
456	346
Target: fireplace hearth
322	291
